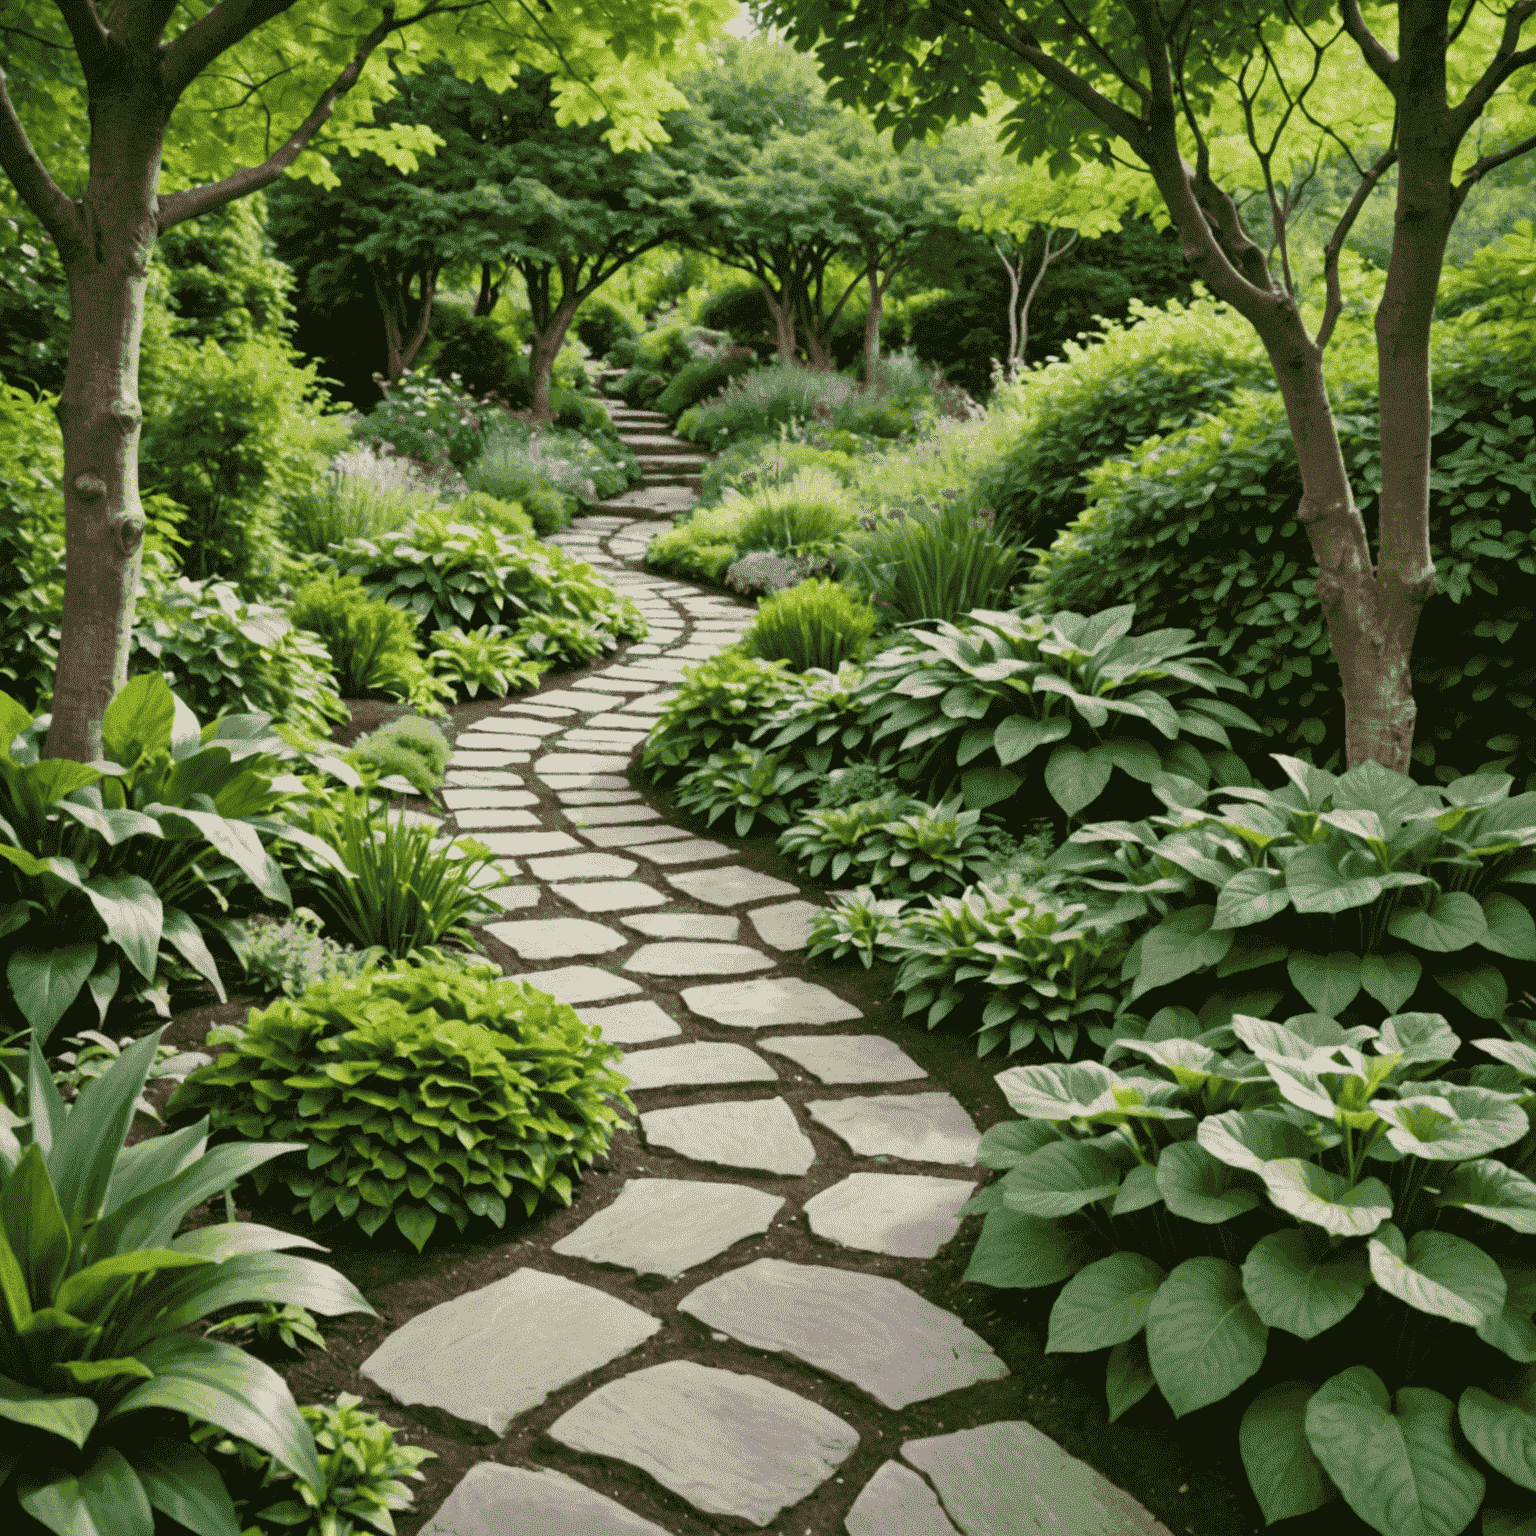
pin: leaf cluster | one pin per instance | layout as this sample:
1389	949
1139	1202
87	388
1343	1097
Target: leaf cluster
718	704
748	782
285	959
488	658
813	625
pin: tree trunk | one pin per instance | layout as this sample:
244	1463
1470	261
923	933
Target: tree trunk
489	292
1014	269
784	323
872	333
99	411
405	321
542	352
1034	287
817	352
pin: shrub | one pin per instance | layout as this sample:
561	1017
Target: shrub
479	355
753	462
857	921
718	704
587	466
703	548
349	506
1363	1205
924	564
875	416
99	1290
488	658
402	887
762	401
223	654
372	643
821	721
974	700
93	1055
813	625
430	420
505	516
503	472
502	1091
284	959
411	747
601	325
1202	524
360	1463
702	377
562	643
809	514
1329	892
749	782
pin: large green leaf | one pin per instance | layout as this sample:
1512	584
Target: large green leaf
1076	778
1326	1199
1502	1434
1203	1339
238	843
138	720
1418	1037
1438	1273
184	1484
1024	1252
1286	1478
981	787
55	1413
44	982
1317	885
1060	1179
106	1499
1399	1471
1200	1187
1391	978
88	1288
35	1227
1480	989
1453	922
1184	942
1451	1122
1329	983
1018	735
1104	1304
1490	1189
1127	1376
226	1238
1295	1280
1249	1138
1251	896
187	938
1511	931
1059	1090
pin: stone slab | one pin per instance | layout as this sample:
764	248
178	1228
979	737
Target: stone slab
762	1135
556	938
561	781
494	739
847	1058
894	1502
487	799
540	707
666	1226
864	1329
568	697
785	926
579	762
583	866
522	844
611	685
514	897
650	704
611	895
602	741
611	815
757	1004
597	796
632	1023
922	1127
1008	1479
695	851
704	1061
526	724
481	778
469	821
684	925
633	837
486	759
731	885
690	958
576	984
496	1352
615	722
493	1500
727	1443
909	1215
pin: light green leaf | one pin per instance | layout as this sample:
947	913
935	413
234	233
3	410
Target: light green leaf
1438	1273
1104	1304
1137	1191
1316	884
1286	1478
1249	1138
1511	931
45	982
1203	1339
70	1418
1418	1037
1200	1187
1184	942
1060	1179
1521	1057
1329	983
1502	1434
1018	735
1453	922
1251	896
1023	1252
1139	759
139	719
1481	990
104	1370
1452	1122
1325	1199
1391	979
1296	1281
186	937
183	1483
131	910
1076	778
1492	1190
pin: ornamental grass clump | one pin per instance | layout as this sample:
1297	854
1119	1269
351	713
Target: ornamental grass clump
814	625
417	1092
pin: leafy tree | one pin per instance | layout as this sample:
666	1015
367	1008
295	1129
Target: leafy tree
214	103
1225	97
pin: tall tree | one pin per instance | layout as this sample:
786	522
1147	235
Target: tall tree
205	95
1219	97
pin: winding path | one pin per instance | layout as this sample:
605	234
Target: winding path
691	964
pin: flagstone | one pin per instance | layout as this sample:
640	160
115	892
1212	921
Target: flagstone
461	759
776	1000
695	959
469	820
493	1500
730	886
611	895
603	684
895	1500
684	925
602	741
478	778
696	652
910	1215
584	866
632	1023
560	781
667	1226
633	837
576	984
786	926
523	723
694	851
650	704
525	843
865	1329
579	762
761	1134
496	1352
650	673
611	815
514	897
541	707
847	1058
597	796
565	696
556	938
487	799
703	1061
922	1127
610	720
642	649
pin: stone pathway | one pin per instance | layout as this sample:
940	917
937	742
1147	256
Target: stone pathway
734	1446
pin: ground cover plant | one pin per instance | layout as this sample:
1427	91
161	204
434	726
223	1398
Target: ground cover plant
815	624
491	658
410	747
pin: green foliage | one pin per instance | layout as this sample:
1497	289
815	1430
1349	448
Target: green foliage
1365	1193
97	1292
808	515
763	400
507	516
349	506
372	643
1347	894
564	643
430	420
747	781
718	704
858	921
754	462
93	1054
421	1091
821	723
1202	526
701	548
114	876
974	701
411	747
848	786
272	1326
924	564
361	1465
702	377
223	654
478	355
395	884
601	325
284	959
488	658
815	624
584	464
503	472
1498	280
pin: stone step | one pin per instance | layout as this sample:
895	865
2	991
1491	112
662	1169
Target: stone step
659	444
681	463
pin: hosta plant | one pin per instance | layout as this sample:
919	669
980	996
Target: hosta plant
821	723
1355	895
1250	1186
115	874
857	921
563	643
96	1290
488	658
1001	702
282	959
748	783
718	704
419	1091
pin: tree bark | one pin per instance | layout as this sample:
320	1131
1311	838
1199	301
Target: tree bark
542	352
872	320
489	292
1034	288
1014	269
405	319
784	324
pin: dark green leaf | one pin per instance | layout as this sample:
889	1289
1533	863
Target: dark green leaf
1286	1478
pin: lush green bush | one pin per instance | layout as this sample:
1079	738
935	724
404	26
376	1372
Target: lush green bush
350	506
503	472
224	655
478	355
433	421
284	959
588	463
807	515
1363	1195
360	1462
820	721
99	1290
566	643
746	781
506	516
971	701
813	625
502	1093
94	1054
411	747
763	400
489	658
701	549
601	326
1202	526
753	462
718	704
701	378
1347	895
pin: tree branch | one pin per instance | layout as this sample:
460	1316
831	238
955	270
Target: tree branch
87	34
59	215
221	27
1376	56
1335	300
140	22
1477	171
1506	60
